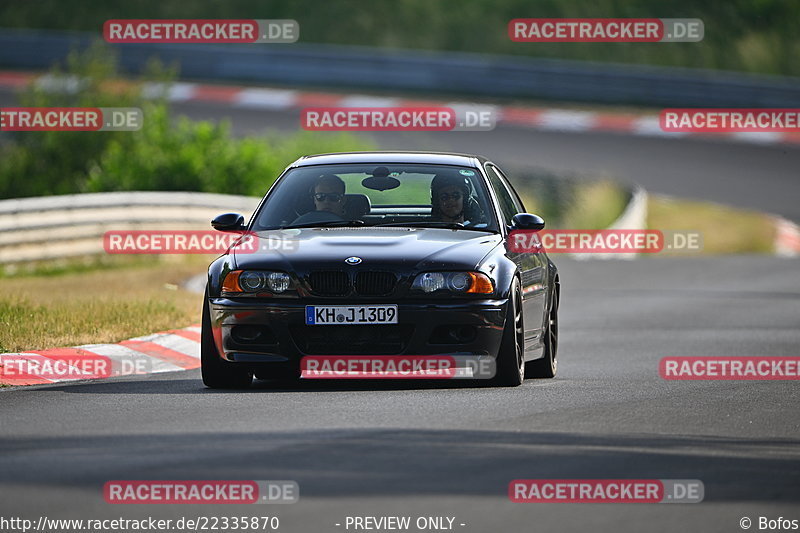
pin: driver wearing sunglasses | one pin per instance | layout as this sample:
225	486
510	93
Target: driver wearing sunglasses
449	194
328	194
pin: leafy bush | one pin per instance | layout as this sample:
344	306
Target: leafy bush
166	154
52	162
201	156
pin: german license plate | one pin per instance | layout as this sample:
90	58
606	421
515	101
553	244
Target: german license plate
350	314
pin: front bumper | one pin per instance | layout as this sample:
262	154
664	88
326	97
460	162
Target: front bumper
423	329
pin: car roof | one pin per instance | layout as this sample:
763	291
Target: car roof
433	158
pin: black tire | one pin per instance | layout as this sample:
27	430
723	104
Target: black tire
547	366
510	358
218	374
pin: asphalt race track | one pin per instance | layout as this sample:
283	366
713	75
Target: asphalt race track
420	449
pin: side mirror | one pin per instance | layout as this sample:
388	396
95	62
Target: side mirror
527	221
228	222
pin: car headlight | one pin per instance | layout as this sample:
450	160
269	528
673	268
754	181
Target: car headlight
251	281
457	282
429	282
278	282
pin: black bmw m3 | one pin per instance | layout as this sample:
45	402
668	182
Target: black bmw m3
381	254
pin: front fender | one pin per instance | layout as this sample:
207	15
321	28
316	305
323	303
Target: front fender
217	271
501	269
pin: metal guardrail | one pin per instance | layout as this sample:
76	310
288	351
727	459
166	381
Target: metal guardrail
59	227
362	68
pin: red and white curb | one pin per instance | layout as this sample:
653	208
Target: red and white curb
537	118
787	238
167	351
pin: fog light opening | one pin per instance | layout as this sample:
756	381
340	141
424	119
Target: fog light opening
246	333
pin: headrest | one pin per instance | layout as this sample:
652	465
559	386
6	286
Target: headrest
357	205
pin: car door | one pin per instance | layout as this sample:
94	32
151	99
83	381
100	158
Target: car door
531	266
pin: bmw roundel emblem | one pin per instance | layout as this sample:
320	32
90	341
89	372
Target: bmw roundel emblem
353	260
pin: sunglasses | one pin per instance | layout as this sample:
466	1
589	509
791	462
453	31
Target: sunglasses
455	196
331	196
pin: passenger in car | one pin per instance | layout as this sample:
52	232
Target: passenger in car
451	200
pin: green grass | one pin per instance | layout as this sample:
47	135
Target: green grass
60	267
595	205
725	230
96	306
570	204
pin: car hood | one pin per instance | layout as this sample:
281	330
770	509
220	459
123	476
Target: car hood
401	249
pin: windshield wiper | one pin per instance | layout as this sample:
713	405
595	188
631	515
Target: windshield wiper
433	224
327	224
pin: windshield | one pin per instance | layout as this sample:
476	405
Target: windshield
379	195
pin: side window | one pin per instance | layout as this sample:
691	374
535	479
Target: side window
507	204
514	196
